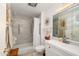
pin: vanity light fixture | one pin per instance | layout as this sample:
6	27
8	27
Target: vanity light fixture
32	4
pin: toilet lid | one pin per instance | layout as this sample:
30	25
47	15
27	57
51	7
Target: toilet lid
40	47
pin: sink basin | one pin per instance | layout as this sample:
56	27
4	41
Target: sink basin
67	42
71	42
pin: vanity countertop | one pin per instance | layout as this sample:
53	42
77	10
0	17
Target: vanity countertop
66	47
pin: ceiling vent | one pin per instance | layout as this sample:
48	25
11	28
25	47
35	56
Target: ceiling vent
32	4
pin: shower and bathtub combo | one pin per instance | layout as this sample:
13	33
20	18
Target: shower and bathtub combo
26	36
25	31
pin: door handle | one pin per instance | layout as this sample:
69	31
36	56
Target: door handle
18	28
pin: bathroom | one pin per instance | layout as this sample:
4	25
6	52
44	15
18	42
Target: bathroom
41	29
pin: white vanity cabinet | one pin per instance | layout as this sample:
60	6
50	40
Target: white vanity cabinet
51	50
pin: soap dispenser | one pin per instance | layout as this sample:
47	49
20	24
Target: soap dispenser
47	36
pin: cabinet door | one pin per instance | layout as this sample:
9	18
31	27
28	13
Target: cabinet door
61	52
55	51
50	51
47	49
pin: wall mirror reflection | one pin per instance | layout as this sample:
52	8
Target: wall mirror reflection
66	24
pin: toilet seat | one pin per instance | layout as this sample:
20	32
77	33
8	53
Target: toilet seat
40	48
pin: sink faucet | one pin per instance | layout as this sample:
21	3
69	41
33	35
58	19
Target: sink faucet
65	39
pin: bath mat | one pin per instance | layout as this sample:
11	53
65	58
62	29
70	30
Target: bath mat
13	52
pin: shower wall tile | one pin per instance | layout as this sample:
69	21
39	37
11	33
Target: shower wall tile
25	33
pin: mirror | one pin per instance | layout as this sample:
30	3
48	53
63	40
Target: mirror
59	25
66	24
55	25
75	25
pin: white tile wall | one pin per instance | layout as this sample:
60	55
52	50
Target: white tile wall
26	30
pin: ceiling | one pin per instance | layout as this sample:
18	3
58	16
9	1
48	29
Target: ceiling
23	9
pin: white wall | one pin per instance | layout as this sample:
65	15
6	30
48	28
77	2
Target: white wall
59	7
2	27
42	27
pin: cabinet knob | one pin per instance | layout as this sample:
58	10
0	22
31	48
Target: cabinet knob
49	46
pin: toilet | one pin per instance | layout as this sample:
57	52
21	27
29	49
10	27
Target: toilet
39	48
